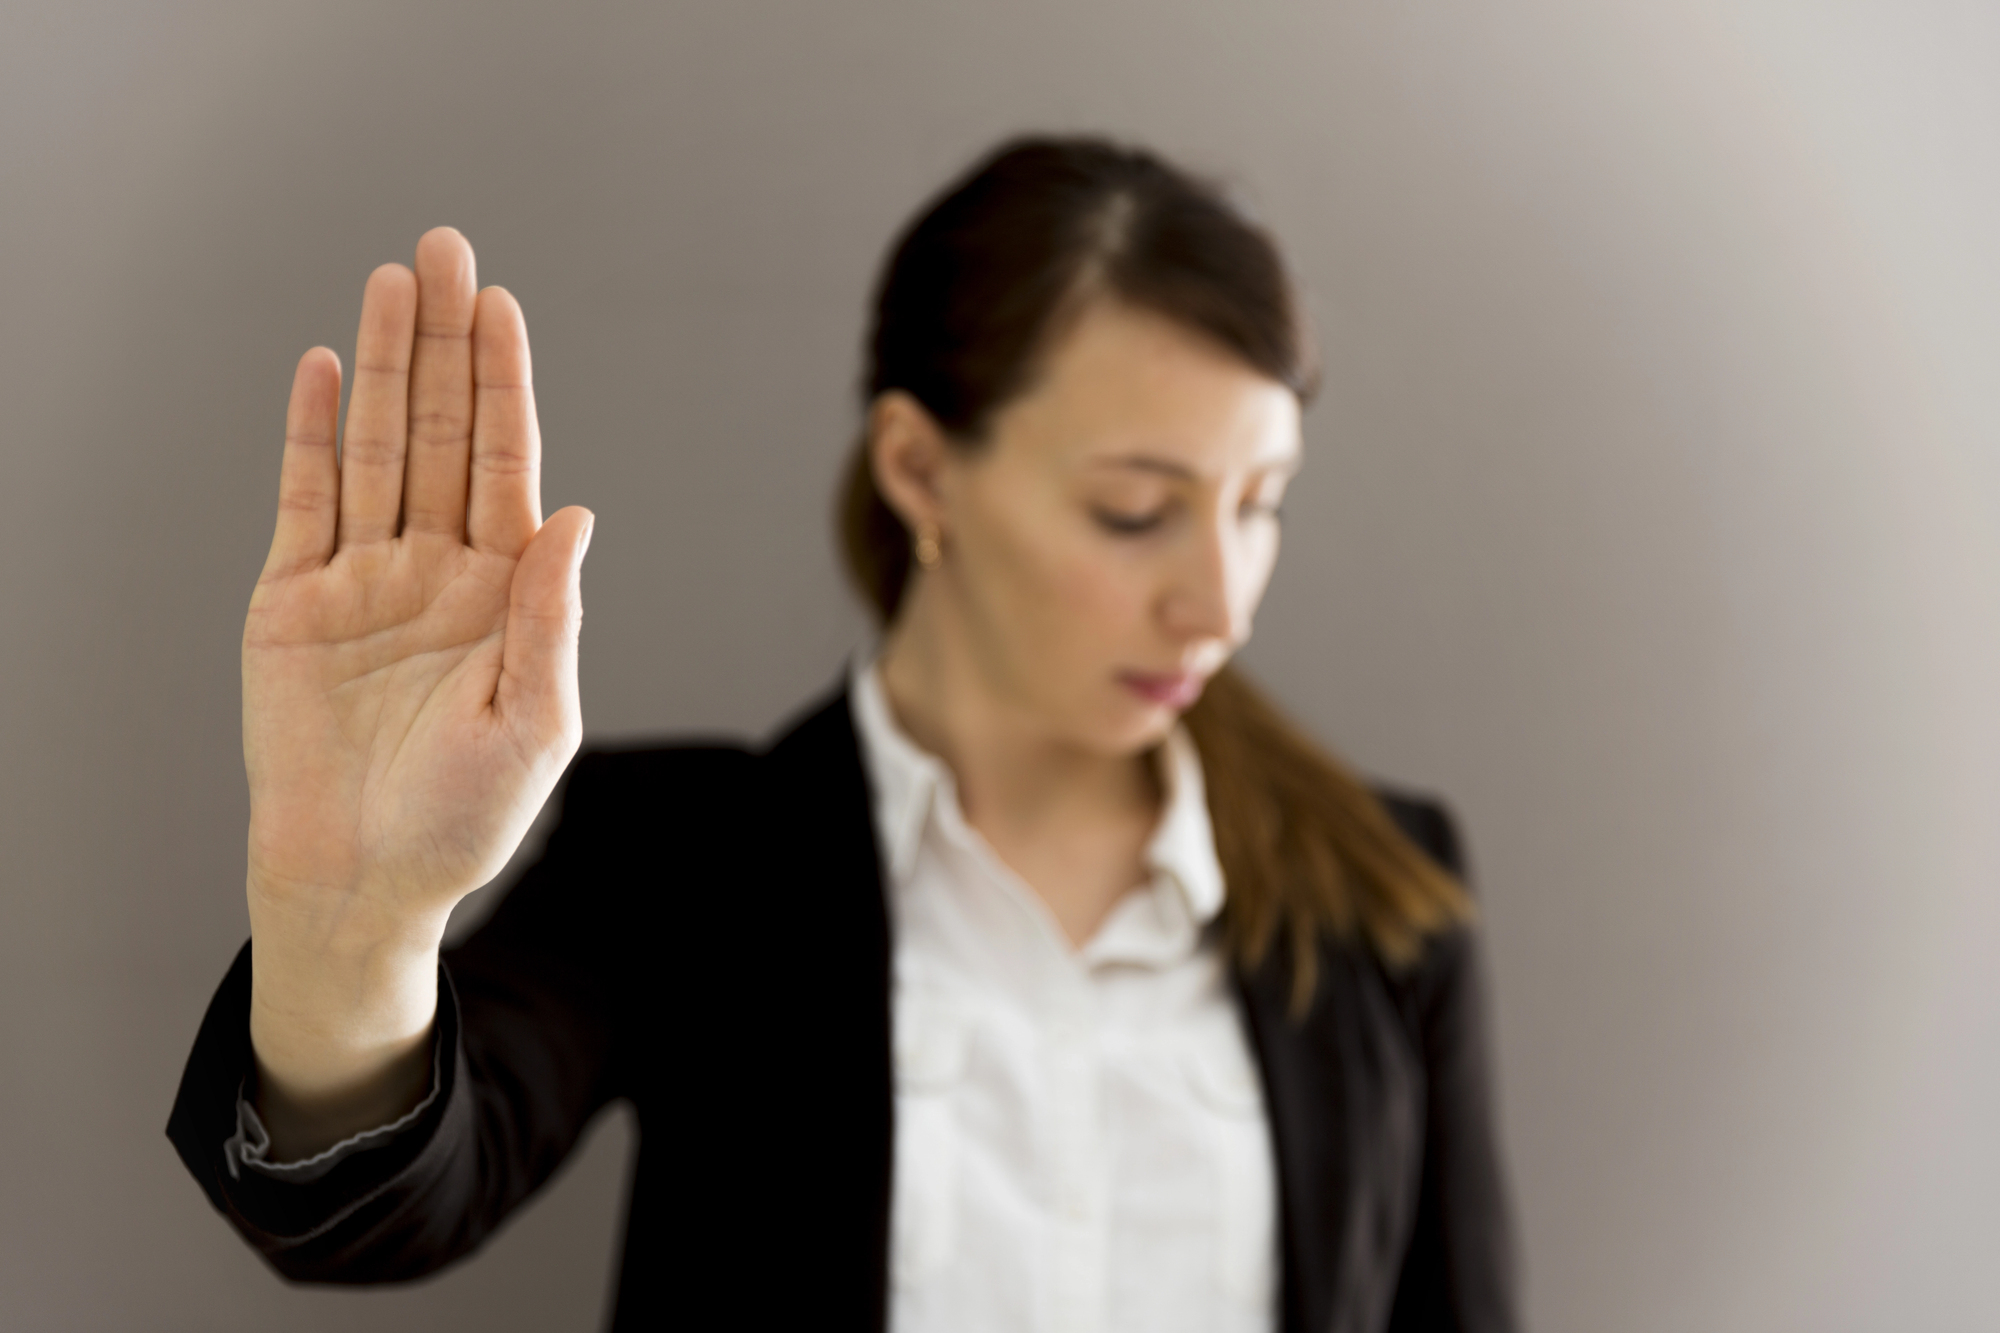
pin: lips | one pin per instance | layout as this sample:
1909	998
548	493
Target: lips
1178	690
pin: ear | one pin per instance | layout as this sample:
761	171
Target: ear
908	452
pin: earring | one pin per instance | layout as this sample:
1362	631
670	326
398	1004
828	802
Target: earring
928	552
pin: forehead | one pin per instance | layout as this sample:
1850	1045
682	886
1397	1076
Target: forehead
1123	384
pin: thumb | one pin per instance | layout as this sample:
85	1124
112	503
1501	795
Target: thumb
544	616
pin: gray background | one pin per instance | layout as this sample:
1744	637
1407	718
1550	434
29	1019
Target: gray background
1653	515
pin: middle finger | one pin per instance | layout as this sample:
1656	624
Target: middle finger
440	387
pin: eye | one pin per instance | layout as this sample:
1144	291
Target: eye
1265	500
1126	525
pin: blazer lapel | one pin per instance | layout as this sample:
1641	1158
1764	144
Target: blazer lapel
1302	1099
1344	1094
838	959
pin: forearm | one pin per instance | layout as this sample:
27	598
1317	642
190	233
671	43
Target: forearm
343	1000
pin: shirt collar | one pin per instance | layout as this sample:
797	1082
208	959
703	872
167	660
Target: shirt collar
900	776
905	779
1183	845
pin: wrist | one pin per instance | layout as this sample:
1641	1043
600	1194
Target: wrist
347	927
340	990
325	1074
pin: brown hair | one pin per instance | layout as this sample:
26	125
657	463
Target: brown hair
975	289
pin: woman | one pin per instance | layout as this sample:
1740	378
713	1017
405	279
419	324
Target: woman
1040	977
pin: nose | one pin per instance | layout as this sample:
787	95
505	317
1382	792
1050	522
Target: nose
1206	598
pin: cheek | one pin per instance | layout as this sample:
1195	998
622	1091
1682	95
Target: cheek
1105	598
1260	562
1079	597
1064	604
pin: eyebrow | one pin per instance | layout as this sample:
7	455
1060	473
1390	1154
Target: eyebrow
1169	468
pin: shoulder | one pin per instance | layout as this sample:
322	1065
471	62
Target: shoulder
655	776
1426	820
625	773
623	805
1446	975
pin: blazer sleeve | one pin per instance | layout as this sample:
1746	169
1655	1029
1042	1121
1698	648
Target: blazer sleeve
1459	1272
529	1046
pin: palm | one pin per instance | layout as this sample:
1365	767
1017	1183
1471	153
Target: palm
409	657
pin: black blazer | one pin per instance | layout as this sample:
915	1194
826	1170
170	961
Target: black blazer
706	936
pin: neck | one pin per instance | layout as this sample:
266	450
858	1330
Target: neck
1025	788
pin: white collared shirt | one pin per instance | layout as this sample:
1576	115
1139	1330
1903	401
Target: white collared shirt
1081	1144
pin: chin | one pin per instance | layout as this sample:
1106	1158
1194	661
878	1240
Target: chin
1135	727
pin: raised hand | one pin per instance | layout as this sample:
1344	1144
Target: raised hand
409	679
